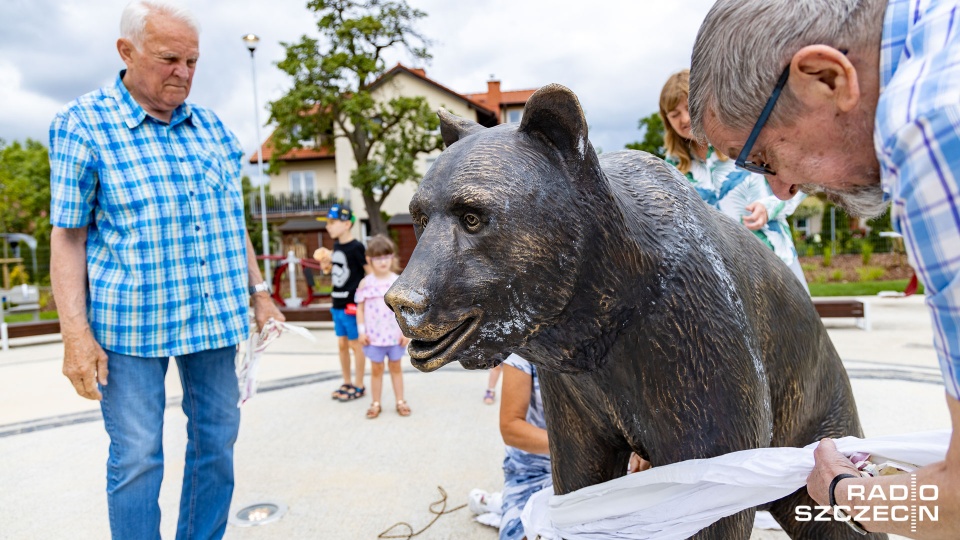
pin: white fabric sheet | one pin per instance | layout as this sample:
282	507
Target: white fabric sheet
677	500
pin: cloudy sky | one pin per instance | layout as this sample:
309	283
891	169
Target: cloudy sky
615	54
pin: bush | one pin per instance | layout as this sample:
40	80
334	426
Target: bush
866	250
837	275
19	275
871	273
827	256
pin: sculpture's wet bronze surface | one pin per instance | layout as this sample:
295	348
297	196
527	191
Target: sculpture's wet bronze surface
660	325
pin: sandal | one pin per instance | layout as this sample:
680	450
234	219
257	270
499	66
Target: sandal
341	392
402	408
374	410
353	393
489	396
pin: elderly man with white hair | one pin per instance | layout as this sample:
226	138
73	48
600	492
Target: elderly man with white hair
859	99
153	261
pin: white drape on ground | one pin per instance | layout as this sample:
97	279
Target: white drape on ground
677	500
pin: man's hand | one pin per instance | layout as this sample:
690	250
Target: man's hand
829	463
265	309
758	216
364	339
637	464
85	364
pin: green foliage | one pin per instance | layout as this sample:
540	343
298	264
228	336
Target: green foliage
866	250
19	275
878	225
652	128
871	273
863	288
827	256
255	226
25	195
836	275
333	78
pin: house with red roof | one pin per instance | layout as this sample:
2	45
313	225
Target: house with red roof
311	178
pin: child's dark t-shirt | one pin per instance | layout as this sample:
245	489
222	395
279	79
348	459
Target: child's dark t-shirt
348	260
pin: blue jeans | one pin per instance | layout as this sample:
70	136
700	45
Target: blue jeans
133	403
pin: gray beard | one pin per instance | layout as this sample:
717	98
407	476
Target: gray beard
859	201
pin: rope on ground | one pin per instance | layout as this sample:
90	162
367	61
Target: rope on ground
442	503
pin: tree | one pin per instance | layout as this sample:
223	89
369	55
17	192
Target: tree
25	193
652	128
333	78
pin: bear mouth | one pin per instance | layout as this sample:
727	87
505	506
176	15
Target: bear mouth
432	355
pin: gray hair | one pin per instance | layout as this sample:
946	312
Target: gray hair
133	21
743	46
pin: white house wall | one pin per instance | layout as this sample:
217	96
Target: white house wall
324	172
401	84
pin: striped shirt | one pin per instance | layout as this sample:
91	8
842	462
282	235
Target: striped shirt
163	208
917	140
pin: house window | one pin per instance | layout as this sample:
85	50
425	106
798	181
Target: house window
514	116
303	182
803	226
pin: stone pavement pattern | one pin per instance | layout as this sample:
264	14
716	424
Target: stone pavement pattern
344	476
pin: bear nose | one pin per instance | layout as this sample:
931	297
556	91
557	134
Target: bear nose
407	304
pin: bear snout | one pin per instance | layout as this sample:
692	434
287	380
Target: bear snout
408	306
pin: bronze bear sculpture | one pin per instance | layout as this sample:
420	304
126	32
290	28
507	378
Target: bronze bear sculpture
660	325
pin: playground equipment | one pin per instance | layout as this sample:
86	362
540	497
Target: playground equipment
288	265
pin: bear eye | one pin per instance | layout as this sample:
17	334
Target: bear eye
471	222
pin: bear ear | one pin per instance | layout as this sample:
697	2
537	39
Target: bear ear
554	113
453	128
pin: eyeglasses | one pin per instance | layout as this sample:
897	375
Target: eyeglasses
761	168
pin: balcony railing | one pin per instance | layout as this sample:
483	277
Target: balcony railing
288	205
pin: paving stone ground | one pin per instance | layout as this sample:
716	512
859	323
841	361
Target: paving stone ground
341	475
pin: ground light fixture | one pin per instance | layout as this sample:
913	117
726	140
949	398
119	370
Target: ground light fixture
257	514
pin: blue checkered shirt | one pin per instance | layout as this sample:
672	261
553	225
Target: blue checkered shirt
917	139
163	207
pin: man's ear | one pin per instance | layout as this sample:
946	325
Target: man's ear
820	74
453	128
126	49
553	113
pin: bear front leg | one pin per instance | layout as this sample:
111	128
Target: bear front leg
582	453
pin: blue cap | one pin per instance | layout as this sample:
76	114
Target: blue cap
340	212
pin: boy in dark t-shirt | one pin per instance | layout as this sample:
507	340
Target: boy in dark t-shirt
345	265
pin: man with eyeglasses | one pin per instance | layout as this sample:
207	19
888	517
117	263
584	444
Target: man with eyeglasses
859	99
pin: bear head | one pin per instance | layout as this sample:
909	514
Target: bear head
502	219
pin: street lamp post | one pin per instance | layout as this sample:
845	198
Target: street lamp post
251	41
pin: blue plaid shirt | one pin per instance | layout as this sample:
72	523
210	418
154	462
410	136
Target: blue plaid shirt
163	207
917	139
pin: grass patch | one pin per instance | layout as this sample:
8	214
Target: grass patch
862	288
28	317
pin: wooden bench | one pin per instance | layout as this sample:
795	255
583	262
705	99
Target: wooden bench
309	314
27	329
844	308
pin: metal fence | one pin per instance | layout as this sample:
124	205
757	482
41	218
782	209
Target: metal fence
285	205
